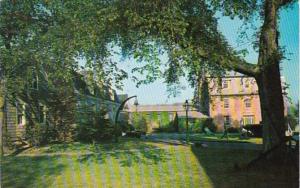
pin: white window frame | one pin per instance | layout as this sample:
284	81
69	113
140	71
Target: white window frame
247	103
226	102
227	121
248	119
225	83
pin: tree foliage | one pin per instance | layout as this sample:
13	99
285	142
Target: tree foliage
35	33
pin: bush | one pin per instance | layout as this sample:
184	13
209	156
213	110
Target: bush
233	130
256	129
141	124
168	129
176	123
94	128
209	123
125	126
135	134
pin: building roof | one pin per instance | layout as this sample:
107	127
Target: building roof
230	74
177	107
157	108
192	115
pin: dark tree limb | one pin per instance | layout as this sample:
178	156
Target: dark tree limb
285	2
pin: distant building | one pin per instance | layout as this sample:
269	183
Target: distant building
162	115
234	100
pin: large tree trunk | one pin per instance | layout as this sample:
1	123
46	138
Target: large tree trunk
268	79
272	107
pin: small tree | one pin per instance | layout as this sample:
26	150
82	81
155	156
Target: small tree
176	123
93	126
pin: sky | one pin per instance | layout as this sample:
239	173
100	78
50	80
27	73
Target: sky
156	93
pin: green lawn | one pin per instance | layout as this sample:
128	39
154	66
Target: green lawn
232	137
135	163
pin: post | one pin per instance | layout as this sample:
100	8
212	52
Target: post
117	116
187	120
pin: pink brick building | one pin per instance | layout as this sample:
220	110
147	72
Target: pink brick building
235	100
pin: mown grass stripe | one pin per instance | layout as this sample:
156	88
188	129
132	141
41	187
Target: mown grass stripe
97	172
72	175
147	179
178	166
108	171
186	171
131	171
93	171
190	168
121	172
55	182
65	173
170	167
165	170
77	167
116	171
87	171
154	173
102	171
141	169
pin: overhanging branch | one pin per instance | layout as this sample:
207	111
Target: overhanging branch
239	65
242	66
285	2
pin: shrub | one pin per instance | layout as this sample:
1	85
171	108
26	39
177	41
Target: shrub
94	128
125	126
169	128
233	130
142	125
209	123
256	129
176	123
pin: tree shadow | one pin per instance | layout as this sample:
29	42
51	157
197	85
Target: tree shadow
227	168
29	171
142	153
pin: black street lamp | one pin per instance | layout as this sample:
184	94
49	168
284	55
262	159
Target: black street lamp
118	112
186	107
136	103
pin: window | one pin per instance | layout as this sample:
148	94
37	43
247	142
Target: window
20	119
225	84
247	85
249	119
226	120
20	112
247	103
226	103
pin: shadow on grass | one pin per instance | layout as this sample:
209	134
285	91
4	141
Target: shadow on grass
219	165
26	171
125	155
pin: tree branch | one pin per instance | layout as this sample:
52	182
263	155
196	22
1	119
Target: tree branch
239	65
285	2
243	67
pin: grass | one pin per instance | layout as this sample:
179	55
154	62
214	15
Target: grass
136	163
232	137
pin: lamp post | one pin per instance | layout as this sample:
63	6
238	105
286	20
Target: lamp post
118	112
186	107
136	103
